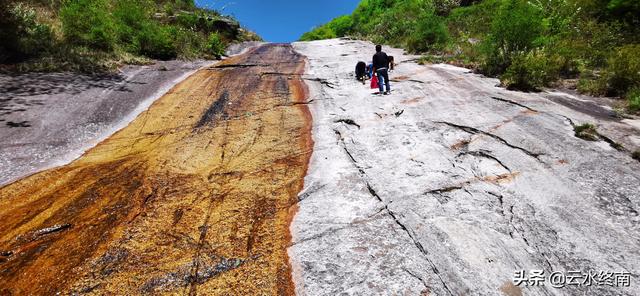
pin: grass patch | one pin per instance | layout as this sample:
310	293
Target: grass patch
431	59
586	131
589	132
633	100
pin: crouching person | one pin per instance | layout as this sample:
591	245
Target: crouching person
361	71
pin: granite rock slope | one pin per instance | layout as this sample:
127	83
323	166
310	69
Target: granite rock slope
451	184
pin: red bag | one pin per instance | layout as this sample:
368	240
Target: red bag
374	82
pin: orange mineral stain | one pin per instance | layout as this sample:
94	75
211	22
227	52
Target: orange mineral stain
195	196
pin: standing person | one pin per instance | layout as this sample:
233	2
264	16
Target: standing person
381	65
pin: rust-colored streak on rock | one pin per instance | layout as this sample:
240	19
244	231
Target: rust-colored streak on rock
194	197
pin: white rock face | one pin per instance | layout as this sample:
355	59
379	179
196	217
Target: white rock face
450	185
62	115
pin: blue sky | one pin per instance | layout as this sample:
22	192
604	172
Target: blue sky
282	20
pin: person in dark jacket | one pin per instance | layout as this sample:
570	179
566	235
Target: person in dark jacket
361	71
381	65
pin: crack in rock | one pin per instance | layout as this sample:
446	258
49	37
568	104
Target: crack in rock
288	75
210	268
514	103
441	197
411	236
612	143
322	81
444	190
329	231
569	120
294	104
473	130
234	66
332	230
512	224
310	190
500	201
520	231
344	147
393	215
424	283
347	121
484	154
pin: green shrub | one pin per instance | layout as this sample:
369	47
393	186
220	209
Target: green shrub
368	13
100	35
592	85
320	33
633	100
202	21
473	21
430	33
22	36
444	7
626	12
215	45
391	28
169	9
530	71
410	23
568	64
636	155
157	42
246	35
341	25
182	4
8	35
592	41
621	74
623	69
466	53
132	18
36	37
88	22
528	43
187	20
189	44
516	29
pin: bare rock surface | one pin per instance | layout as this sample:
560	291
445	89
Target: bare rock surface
242	47
48	119
451	184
